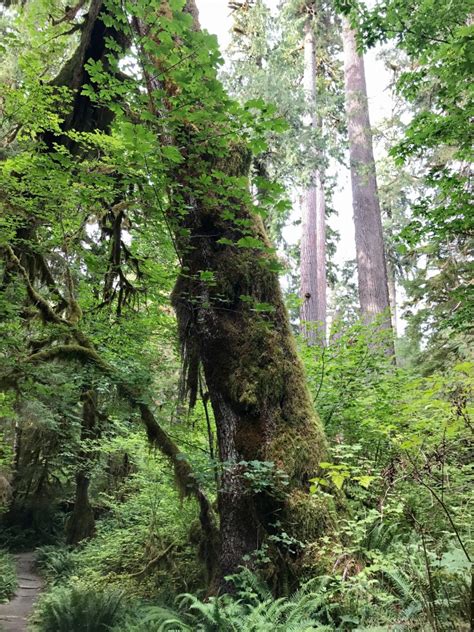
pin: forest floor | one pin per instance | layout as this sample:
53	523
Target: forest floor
14	614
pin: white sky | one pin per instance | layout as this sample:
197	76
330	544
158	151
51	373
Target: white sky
215	16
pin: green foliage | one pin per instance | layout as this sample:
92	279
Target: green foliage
437	39
265	70
400	455
253	609
397	595
93	219
78	609
54	562
8	579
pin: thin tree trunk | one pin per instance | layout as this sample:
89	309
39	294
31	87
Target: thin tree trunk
313	236
321	279
371	263
392	295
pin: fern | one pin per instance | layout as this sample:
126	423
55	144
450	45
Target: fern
381	537
8	579
254	610
55	562
77	609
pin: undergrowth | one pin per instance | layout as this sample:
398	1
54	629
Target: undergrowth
8	579
78	609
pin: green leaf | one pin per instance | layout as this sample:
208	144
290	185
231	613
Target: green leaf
338	478
364	481
206	276
172	153
263	307
251	242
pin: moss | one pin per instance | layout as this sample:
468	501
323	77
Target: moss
310	516
237	159
256	382
317	559
295	453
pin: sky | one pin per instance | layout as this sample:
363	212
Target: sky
215	17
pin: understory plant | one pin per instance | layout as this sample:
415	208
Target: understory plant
78	609
401	455
8	579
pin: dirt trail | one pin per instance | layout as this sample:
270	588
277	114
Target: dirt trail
14	614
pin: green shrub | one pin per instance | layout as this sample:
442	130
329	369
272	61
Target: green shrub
78	609
8	581
253	609
55	562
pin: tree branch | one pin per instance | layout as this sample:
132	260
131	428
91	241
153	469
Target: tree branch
184	476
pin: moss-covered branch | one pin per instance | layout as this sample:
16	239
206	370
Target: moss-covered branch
45	309
184	476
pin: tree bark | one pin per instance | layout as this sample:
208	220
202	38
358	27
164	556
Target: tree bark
81	522
313	237
256	383
371	262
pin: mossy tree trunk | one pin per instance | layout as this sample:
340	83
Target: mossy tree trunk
81	522
256	383
233	321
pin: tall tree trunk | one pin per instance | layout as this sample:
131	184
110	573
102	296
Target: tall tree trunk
313	236
371	263
81	523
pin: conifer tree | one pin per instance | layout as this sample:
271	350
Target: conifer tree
313	234
370	251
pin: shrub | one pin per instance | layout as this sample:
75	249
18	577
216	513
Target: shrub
78	609
55	562
8	582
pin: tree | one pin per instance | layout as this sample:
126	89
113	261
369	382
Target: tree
371	263
81	522
175	155
437	145
313	235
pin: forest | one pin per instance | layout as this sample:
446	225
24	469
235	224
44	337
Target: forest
235	389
